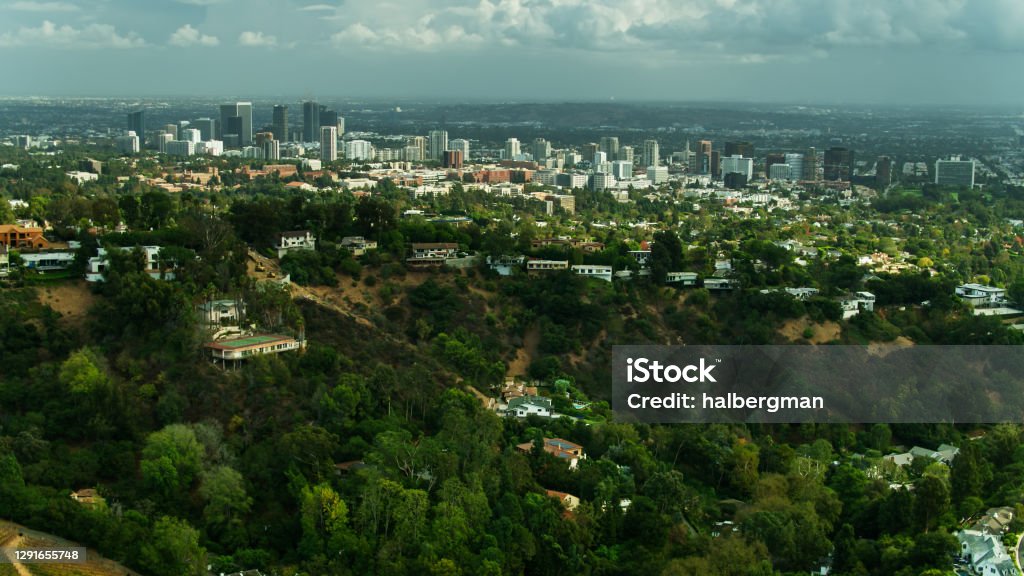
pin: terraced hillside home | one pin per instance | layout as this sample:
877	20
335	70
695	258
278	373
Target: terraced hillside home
295	240
233	351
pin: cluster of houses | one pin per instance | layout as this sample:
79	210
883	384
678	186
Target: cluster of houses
981	545
945	454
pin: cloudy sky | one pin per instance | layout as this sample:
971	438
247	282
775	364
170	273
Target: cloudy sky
801	51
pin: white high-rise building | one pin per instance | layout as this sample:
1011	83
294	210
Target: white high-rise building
599	159
601	181
328	143
192	135
210	148
129	143
512	150
779	172
954	172
180	147
438	144
358	150
622	169
161	141
737	164
541	149
651	156
460	145
272	149
626	154
657	174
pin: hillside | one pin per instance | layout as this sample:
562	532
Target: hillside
17	536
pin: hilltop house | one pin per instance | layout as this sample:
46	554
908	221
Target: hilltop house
594	271
853	304
16	236
505	264
96	269
985	554
524	406
295	240
358	245
537	265
995	521
47	260
431	254
569	502
681	278
235	350
221	312
559	448
980	295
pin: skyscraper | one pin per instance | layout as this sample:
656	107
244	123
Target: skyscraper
796	166
743	148
244	111
137	124
737	164
810	164
610	146
540	149
838	164
328	143
234	126
883	172
280	123
704	157
954	172
460	144
438	144
310	121
716	164
626	154
171	129
207	128
651	156
272	149
420	144
512	150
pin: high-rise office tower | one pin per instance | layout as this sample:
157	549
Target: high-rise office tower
737	164
716	164
438	142
838	164
171	129
771	160
626	153
742	148
600	157
328	143
883	172
129	143
796	166
242	111
810	164
610	146
460	144
589	150
191	135
272	149
651	155
310	121
704	157
452	159
207	128
512	150
137	124
540	149
954	172
420	144
234	127
280	123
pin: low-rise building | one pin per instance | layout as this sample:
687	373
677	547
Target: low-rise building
593	271
442	250
47	260
985	554
721	284
681	278
17	236
559	448
538	265
358	245
237	350
569	502
154	266
222	312
504	265
524	406
295	240
980	295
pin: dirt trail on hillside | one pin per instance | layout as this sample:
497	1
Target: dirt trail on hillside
14	541
525	355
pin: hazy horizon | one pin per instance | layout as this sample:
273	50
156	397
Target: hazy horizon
796	52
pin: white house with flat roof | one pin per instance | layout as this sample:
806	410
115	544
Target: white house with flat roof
979	294
593	271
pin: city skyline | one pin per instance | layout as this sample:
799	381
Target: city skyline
794	51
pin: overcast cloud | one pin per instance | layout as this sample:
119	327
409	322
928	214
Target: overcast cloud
899	51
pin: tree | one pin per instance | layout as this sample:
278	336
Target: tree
174	549
666	255
931	501
227	504
171	460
